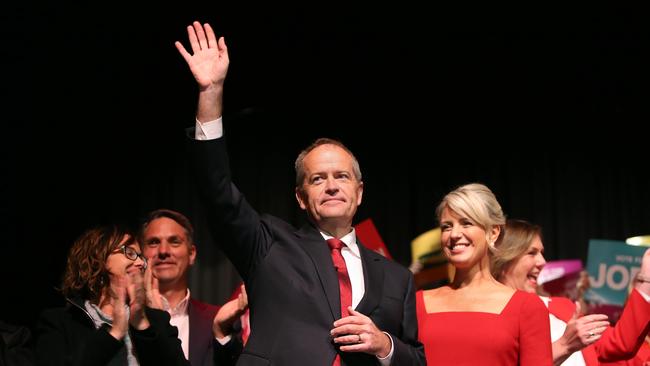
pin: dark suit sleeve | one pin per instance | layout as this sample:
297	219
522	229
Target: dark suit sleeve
247	239
15	347
53	340
227	354
407	349
158	345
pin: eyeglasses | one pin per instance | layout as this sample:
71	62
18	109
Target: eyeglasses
131	254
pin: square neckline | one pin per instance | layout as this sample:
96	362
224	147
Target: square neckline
506	306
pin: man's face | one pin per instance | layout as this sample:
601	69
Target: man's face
166	246
330	192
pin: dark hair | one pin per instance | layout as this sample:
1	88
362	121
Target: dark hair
518	237
300	167
85	274
180	219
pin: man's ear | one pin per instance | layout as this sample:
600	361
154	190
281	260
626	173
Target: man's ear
360	193
192	254
300	198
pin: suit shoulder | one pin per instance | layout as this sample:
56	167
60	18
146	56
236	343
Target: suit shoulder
275	222
52	315
51	312
390	265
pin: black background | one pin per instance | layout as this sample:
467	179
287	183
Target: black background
544	104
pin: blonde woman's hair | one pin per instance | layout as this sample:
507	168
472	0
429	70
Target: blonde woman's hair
476	202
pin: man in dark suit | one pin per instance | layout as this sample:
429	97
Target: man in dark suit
204	329
294	292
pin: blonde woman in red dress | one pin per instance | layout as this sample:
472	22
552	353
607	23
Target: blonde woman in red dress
476	320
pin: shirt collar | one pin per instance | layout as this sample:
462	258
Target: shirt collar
349	239
179	309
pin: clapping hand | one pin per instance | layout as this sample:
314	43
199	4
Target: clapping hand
152	289
228	314
137	298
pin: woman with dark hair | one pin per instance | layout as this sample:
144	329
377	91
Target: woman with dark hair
106	320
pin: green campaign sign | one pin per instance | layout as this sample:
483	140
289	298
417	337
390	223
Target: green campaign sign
611	266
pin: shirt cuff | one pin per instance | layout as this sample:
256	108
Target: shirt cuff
385	361
209	130
223	341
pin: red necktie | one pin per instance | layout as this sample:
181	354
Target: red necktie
345	288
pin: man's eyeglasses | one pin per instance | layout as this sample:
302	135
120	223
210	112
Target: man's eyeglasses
131	254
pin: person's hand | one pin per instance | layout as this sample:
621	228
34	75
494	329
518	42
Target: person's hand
137	298
117	293
228	314
209	59
152	289
357	333
582	331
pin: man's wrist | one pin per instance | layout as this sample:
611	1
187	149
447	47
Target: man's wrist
390	348
223	340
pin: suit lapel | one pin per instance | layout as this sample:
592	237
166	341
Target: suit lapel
199	325
194	324
314	244
373	280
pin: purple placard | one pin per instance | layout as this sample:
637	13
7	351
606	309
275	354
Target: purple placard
561	278
557	269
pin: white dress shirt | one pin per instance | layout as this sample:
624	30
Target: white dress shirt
180	318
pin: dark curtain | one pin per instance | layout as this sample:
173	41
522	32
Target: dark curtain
97	101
